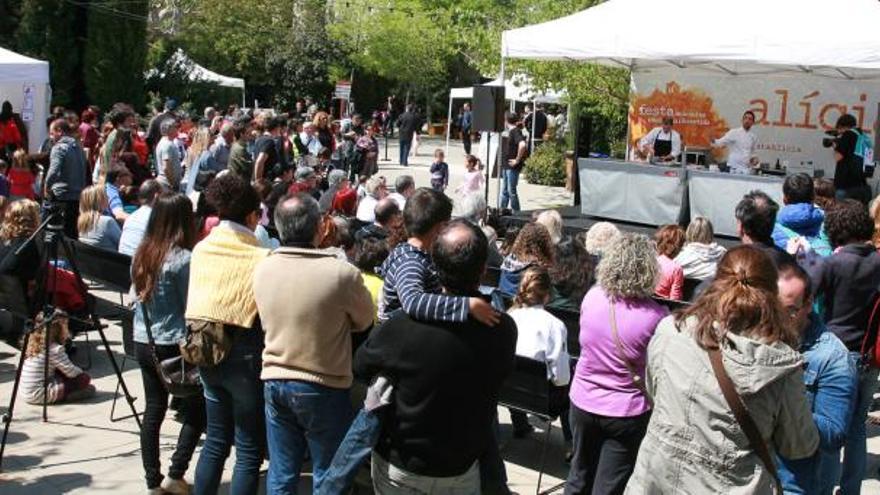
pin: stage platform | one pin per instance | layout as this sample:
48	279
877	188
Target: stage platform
574	221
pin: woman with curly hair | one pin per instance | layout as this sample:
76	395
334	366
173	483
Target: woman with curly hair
694	443
609	406
532	247
21	219
847	284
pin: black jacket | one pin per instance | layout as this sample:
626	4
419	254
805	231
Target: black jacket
848	282
446	377
408	124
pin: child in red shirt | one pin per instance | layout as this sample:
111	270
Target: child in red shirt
21	179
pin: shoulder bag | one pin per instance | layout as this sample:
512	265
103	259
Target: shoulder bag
734	401
206	344
637	380
180	378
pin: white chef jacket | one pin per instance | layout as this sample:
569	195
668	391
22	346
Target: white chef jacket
658	134
741	148
543	337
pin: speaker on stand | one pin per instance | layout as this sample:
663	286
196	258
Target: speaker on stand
488	112
583	135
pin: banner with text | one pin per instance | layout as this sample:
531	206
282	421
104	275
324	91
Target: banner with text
791	113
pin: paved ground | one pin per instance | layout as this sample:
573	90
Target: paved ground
81	451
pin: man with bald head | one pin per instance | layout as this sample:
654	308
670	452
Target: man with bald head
309	303
388	219
446	377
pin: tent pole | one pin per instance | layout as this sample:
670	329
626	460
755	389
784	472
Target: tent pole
243	97
448	125
502	162
534	118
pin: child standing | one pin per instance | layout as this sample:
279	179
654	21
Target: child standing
67	382
473	177
21	179
439	171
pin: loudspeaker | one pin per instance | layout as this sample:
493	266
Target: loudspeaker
488	108
583	135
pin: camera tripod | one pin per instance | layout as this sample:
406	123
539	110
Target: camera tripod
53	237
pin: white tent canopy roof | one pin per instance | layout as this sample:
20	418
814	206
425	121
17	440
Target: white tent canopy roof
199	73
18	68
518	88
742	37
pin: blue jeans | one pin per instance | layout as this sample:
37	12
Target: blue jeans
405	146
299	416
855	451
352	452
234	406
508	189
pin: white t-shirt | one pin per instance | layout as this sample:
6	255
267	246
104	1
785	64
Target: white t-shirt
366	211
167	149
399	199
542	337
740	149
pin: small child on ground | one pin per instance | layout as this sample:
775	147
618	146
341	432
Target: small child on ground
473	176
67	381
439	171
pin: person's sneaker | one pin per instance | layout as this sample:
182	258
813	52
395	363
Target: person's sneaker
83	393
175	487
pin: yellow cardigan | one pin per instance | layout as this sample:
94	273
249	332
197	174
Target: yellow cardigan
221	277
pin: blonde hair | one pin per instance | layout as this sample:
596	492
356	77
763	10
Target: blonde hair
700	230
19	160
201	141
20	219
599	236
628	268
92	203
552	221
316	120
875	215
58	333
534	288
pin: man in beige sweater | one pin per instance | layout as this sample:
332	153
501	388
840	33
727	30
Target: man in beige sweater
309	303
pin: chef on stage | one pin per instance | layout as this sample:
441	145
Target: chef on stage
662	143
740	143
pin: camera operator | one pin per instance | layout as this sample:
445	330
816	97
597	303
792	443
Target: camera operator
66	176
849	176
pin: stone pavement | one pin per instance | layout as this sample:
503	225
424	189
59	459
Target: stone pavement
81	451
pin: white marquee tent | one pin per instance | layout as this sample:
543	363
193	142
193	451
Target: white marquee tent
517	89
198	73
24	82
732	38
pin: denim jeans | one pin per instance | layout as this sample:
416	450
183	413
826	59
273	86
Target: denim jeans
389	479
855	452
405	146
352	452
299	416
508	189
234	405
156	397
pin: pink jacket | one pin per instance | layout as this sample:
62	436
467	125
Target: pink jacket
671	283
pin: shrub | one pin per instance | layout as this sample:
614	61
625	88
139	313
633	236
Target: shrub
546	166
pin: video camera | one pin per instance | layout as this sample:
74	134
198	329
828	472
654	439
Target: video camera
830	141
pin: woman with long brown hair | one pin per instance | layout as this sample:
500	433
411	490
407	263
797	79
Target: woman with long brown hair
694	443
321	122
533	247
160	275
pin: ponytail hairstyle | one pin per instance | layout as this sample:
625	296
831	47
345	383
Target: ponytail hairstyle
534	288
742	300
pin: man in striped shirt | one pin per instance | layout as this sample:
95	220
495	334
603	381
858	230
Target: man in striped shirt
411	281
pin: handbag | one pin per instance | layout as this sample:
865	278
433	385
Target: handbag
180	378
637	380
734	401
206	343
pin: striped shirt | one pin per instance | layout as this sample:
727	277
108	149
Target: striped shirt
32	375
411	283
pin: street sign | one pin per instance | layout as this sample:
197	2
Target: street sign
343	90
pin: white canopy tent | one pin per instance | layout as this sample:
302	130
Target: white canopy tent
24	82
516	89
728	38
197	73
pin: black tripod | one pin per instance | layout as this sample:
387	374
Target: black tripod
53	236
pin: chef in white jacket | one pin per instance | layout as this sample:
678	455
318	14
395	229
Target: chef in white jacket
662	143
740	143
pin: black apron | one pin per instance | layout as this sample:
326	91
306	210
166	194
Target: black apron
662	147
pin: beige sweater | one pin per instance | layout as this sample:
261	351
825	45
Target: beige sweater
309	303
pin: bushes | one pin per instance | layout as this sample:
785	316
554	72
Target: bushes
546	166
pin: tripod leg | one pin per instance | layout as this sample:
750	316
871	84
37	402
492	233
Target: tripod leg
49	298
128	396
7	418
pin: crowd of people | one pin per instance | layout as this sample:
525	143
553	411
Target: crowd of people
305	279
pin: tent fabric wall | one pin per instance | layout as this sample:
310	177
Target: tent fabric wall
18	72
789	44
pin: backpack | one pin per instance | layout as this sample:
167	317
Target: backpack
864	153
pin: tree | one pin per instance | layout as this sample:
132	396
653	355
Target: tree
116	50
